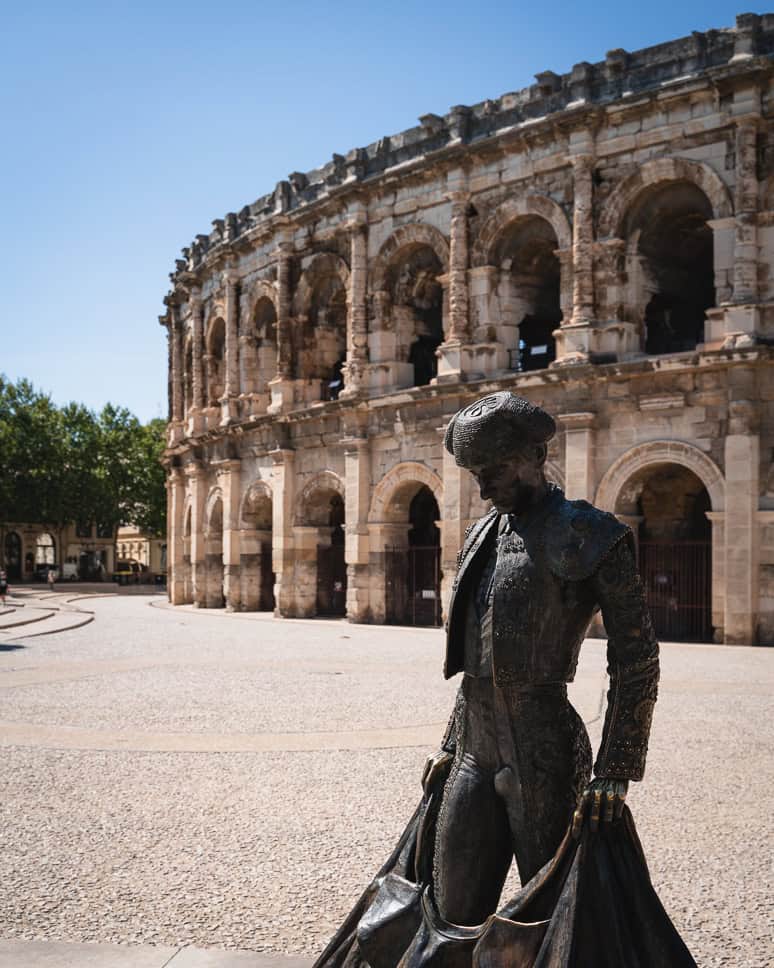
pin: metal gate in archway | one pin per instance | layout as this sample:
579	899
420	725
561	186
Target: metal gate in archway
266	591
678	586
413	585
331	580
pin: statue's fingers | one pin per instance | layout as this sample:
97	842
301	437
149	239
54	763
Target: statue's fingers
596	805
577	817
607	815
620	802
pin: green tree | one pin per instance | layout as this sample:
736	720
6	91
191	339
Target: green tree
68	464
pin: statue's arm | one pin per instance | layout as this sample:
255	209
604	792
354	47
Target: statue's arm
632	664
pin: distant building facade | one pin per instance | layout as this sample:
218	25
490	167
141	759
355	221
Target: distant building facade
601	243
26	547
135	545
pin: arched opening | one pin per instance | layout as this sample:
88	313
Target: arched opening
417	309
331	566
668	503
265	341
216	367
530	274
45	550
213	556
669	238
256	556
413	563
13	556
324	348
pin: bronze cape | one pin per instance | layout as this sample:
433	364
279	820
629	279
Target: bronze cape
592	904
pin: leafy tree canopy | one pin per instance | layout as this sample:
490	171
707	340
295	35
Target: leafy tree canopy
63	464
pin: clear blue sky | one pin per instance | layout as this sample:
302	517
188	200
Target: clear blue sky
127	127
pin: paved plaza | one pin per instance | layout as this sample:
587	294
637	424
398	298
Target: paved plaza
179	780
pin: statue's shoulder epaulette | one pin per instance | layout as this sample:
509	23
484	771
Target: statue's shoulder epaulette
577	538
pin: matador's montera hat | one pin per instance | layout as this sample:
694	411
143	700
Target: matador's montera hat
494	427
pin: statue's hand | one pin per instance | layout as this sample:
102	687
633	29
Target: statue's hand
434	767
603	799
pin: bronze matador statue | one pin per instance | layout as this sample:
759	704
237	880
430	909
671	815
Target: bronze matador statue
532	573
513	776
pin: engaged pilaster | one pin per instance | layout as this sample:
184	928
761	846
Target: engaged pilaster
357	483
575	334
176	566
578	455
198	494
454	358
228	472
281	387
742	460
228	402
196	416
357	310
283	494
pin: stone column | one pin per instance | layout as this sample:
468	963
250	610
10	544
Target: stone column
574	344
198	491
578	455
197	358
742	460
228	402
718	552
357	498
228	472
357	310
281	386
176	364
283	496
458	268
175	524
454	356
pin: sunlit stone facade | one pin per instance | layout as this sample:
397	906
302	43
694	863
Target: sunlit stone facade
601	242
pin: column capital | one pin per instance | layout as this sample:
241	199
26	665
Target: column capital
577	421
282	455
193	470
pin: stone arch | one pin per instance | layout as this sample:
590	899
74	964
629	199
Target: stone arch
324	482
322	265
535	205
260	289
656	172
256	493
215	495
397	479
415	234
657	452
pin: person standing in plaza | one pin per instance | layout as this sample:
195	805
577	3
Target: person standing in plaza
51	578
3	584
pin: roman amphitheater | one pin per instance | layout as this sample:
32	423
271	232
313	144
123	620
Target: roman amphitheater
601	242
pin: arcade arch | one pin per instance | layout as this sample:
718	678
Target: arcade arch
257	575
215	361
213	551
665	493
321	317
406	538
321	569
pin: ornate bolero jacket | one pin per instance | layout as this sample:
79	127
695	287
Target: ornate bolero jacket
553	571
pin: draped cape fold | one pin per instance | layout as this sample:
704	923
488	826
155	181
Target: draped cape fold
592	904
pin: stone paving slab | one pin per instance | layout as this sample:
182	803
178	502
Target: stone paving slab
60	954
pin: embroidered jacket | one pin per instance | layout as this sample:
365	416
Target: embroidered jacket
556	565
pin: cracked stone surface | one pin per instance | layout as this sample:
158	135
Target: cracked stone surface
266	851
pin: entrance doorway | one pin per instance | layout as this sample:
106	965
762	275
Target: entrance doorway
413	573
331	566
675	553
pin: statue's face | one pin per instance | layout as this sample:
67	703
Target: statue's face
510	483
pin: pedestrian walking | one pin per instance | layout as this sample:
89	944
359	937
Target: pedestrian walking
3	584
51	578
